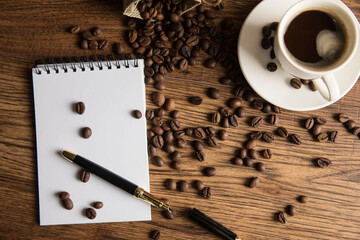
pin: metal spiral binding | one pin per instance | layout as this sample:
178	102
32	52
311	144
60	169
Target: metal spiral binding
72	63
117	61
136	60
46	65
126	60
100	58
108	61
83	59
64	61
91	62
37	69
56	62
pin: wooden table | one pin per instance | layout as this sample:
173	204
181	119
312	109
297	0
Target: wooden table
31	30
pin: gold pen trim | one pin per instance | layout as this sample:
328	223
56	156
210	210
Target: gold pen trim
68	155
147	197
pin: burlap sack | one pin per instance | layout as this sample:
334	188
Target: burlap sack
131	10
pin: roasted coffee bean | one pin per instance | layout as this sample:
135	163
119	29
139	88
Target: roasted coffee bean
210	131
185	51
150	134
68	203
239	90
189	131
274	26
192	41
206	192
265	43
260	167
282	217
242	153
267	153
183	64
320	120
175	156
224	112
183	186
266	107
204	44
323	137
343	118
80	108
132	36
305	82
266	31
200	156
98	205
268	137
291	210
175	114
215	117
175	125
170	184
227	23
192	61
350	124
309	123
158	59
213	93
151	150
282	132
256	121
86	132
149	72
84	44
95	31
197	145
90	213
254	182
87	35
119	49
225	81
323	162
156	235
148	62
209	171
74	29
234	103
199	185
213	142
240	112
174	18
158	161
334	135
159	86
176	165
354	131
312	86
131	22
271	67
238	161
210	63
253	154
272	54
257	104
181	143
303	199
223	135
64	195
195	100
157	121
199	133
233	120
160	112
250	144
168	147
169	104
316	130
93	45
179	134
295	139
103	44
255	135
157	141
158	77
167	214
158	98
273	119
137	114
149	114
276	109
295	83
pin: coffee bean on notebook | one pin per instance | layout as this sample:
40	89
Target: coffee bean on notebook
80	108
254	182
271	67
170	184
137	114
282	217
64	195
199	185
75	29
98	205
84	176
90	213
158	161
87	35
291	210
323	162
195	100
158	98
295	83
206	192
86	132
156	235
209	171
183	186
68	203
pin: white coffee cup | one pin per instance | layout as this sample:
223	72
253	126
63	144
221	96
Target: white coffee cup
324	79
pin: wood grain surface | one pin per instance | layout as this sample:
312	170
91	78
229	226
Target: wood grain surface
36	29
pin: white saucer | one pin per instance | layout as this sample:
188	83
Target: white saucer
275	86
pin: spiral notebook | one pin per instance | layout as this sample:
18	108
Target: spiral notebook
110	90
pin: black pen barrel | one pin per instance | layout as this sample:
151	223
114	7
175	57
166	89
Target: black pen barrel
106	174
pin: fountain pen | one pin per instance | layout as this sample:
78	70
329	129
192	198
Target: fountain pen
115	179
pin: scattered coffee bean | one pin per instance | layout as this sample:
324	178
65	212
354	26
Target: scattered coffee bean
209	171
98	205
213	142
95	31
354	131
257	105
199	133
276	109
168	136
206	192
169	148
266	107
209	131
260	167
254	182
240	112
75	29
213	93
256	121
268	137
189	131
224	112
210	63
175	156
119	49
181	143
309	123
250	144
238	161
167	214
93	45
183	186
253	154
149	114
157	141
291	210
158	98
282	132
282	217
137	114
223	135
215	117
158	161
265	43
86	132
170	184
320	120
175	125
234	103
242	153
334	135
84	44
248	162
160	112
295	83
90	213
156	235
68	203
255	135
199	185
350	124
273	119
87	35
303	199
233	120
179	134
312	86
64	195
152	150
175	114
80	108
200	155
195	100
169	104
343	118
267	153
225	122
295	139
323	137
316	130
323	162
197	145
84	176
266	31
103	44
271	67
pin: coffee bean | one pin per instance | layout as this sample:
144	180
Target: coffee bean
266	31
157	141
213	142
181	143
267	153
159	86
271	67
295	83
274	26
206	192
93	45
225	81
103	44
239	90
282	217
169	104
354	131
183	186
75	29
189	131
98	205
157	130
320	120
312	86
158	98
272	54
209	131
199	133
223	135
256	121
282	132
265	43
169	147
200	156
233	120
176	165
234	103
195	100
179	134
199	185
250	144
242	153
343	118
295	139
137	114
255	135
257	104
254	182
185	51
253	154
192	41
309	123
170	184
175	114
316	130
160	112
323	162
149	72
323	137
167	214
225	122
183	64
95	31
90	213
303	199
268	137
204	44
156	235
291	210
334	135
209	171
149	81
210	63
80	108
158	161
68	203
87	35
151	150
84	44
350	124
215	117
192	61
149	114
175	156
64	195
197	145
276	109
260	167
132	35
266	107
84	176
119	49
213	93
273	119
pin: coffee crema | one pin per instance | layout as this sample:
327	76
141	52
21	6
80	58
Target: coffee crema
315	38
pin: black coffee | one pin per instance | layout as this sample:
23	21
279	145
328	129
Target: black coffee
315	38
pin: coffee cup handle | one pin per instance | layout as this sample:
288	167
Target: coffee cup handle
328	87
